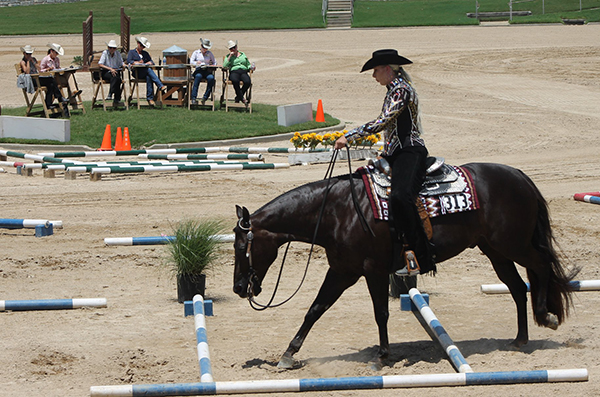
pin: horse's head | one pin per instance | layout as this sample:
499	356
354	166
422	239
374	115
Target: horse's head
254	253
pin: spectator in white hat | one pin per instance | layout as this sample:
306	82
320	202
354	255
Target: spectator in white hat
238	65
200	59
52	62
111	63
139	56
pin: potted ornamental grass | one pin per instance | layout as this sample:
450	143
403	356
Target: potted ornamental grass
191	252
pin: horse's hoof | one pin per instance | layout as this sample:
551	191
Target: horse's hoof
517	343
286	363
375	366
552	321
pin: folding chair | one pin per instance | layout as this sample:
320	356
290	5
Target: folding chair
64	86
98	83
38	96
228	94
211	98
134	82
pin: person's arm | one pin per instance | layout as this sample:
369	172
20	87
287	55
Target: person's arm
132	57
227	62
25	67
102	62
245	62
394	104
44	66
211	59
194	58
147	58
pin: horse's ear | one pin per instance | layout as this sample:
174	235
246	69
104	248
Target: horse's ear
242	213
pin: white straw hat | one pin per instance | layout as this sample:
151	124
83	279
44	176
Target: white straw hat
231	44
112	44
57	48
206	43
27	49
143	41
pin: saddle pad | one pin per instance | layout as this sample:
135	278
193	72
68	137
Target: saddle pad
435	205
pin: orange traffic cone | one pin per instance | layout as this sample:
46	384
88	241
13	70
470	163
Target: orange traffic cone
118	140
106	140
320	115
126	143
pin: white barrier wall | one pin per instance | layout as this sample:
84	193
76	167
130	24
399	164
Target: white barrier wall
35	128
294	114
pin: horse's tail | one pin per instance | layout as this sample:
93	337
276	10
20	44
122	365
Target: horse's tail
559	298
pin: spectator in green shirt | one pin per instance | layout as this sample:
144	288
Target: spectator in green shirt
238	65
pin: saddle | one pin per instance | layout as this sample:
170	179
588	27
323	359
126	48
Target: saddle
446	189
440	178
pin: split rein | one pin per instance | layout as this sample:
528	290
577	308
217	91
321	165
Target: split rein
252	277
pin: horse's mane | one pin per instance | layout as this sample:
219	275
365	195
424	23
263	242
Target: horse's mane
315	184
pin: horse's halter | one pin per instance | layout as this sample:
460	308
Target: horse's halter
252	277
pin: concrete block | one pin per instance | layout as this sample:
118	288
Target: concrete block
70	175
188	308
44	230
407	305
294	114
26	171
49	173
35	128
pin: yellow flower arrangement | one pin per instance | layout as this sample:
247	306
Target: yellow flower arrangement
312	140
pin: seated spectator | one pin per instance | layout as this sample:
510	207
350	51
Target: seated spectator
29	66
200	59
52	62
111	62
238	65
139	56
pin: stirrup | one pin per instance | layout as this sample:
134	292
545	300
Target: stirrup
412	265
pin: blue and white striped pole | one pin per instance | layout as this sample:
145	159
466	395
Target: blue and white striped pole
329	384
583	285
50	304
456	357
28	223
203	354
158	240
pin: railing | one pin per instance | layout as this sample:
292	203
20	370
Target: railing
324	11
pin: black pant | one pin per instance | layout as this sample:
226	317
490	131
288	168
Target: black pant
408	173
236	76
115	84
52	90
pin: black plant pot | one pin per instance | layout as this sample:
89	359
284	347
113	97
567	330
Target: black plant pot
189	285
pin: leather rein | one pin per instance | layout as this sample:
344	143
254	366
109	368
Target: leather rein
253	278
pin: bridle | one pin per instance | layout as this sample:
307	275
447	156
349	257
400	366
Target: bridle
253	278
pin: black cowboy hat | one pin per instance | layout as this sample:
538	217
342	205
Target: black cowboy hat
385	57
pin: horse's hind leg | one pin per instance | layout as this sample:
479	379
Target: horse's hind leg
507	273
332	288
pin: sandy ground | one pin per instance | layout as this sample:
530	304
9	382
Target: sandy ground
527	96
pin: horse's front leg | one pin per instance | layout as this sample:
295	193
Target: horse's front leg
332	288
378	289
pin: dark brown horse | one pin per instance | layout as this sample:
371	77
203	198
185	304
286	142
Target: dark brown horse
511	225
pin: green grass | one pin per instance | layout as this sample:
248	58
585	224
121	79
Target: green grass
194	247
211	15
370	13
161	16
172	125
